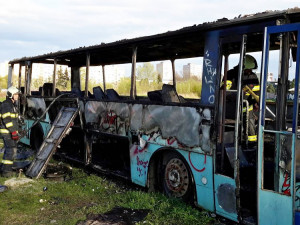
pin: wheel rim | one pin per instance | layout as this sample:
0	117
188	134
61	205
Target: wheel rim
176	178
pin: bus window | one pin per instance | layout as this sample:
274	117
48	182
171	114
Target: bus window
189	77
150	76
15	77
117	77
41	73
95	78
63	78
82	78
16	74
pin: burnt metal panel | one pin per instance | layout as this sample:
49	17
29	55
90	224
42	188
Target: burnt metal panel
189	126
36	107
226	197
57	132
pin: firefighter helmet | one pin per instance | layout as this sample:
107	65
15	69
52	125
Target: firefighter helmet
250	62
11	91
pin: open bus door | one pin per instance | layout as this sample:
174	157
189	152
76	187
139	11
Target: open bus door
226	176
278	132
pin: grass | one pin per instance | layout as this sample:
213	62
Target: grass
71	201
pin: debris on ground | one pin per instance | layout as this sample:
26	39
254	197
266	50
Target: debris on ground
118	215
24	153
58	172
16	182
2	188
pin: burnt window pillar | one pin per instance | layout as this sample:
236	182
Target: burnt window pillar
28	74
133	74
10	74
173	73
75	78
103	74
54	78
20	76
87	74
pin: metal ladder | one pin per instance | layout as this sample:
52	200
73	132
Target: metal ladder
59	129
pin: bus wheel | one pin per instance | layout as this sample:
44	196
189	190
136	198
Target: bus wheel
177	180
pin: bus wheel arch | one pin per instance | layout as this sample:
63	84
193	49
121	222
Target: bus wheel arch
170	174
36	137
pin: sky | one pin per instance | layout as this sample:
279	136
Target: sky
34	27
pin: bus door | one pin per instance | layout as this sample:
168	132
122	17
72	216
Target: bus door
226	177
278	125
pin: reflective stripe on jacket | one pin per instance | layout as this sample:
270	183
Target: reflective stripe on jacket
7	162
8	116
252	138
255	89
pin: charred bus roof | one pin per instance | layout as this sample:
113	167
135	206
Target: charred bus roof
183	43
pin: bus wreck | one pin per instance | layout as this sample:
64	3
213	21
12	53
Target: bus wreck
198	150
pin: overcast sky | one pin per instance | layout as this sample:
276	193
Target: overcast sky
29	27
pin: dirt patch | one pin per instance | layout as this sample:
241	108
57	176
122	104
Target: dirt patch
117	216
16	182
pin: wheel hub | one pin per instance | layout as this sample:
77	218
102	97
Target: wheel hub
177	177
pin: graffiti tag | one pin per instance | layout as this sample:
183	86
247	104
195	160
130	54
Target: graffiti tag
141	166
141	162
286	184
211	72
138	150
112	123
198	170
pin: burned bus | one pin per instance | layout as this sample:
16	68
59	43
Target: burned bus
196	149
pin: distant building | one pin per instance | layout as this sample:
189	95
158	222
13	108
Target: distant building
164	69
191	69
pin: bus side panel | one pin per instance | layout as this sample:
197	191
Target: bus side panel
139	162
225	196
200	165
28	123
36	107
26	139
202	169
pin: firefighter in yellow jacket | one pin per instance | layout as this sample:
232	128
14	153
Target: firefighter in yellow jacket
9	129
249	79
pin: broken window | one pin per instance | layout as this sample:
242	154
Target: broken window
188	75
117	80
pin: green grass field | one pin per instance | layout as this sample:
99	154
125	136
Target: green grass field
85	195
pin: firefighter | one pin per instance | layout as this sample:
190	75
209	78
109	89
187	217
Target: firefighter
249	78
9	130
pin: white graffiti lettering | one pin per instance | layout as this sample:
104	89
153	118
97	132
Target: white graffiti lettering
211	99
211	72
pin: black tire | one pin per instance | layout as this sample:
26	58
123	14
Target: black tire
36	137
177	181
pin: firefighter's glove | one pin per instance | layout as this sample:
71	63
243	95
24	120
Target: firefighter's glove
15	135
